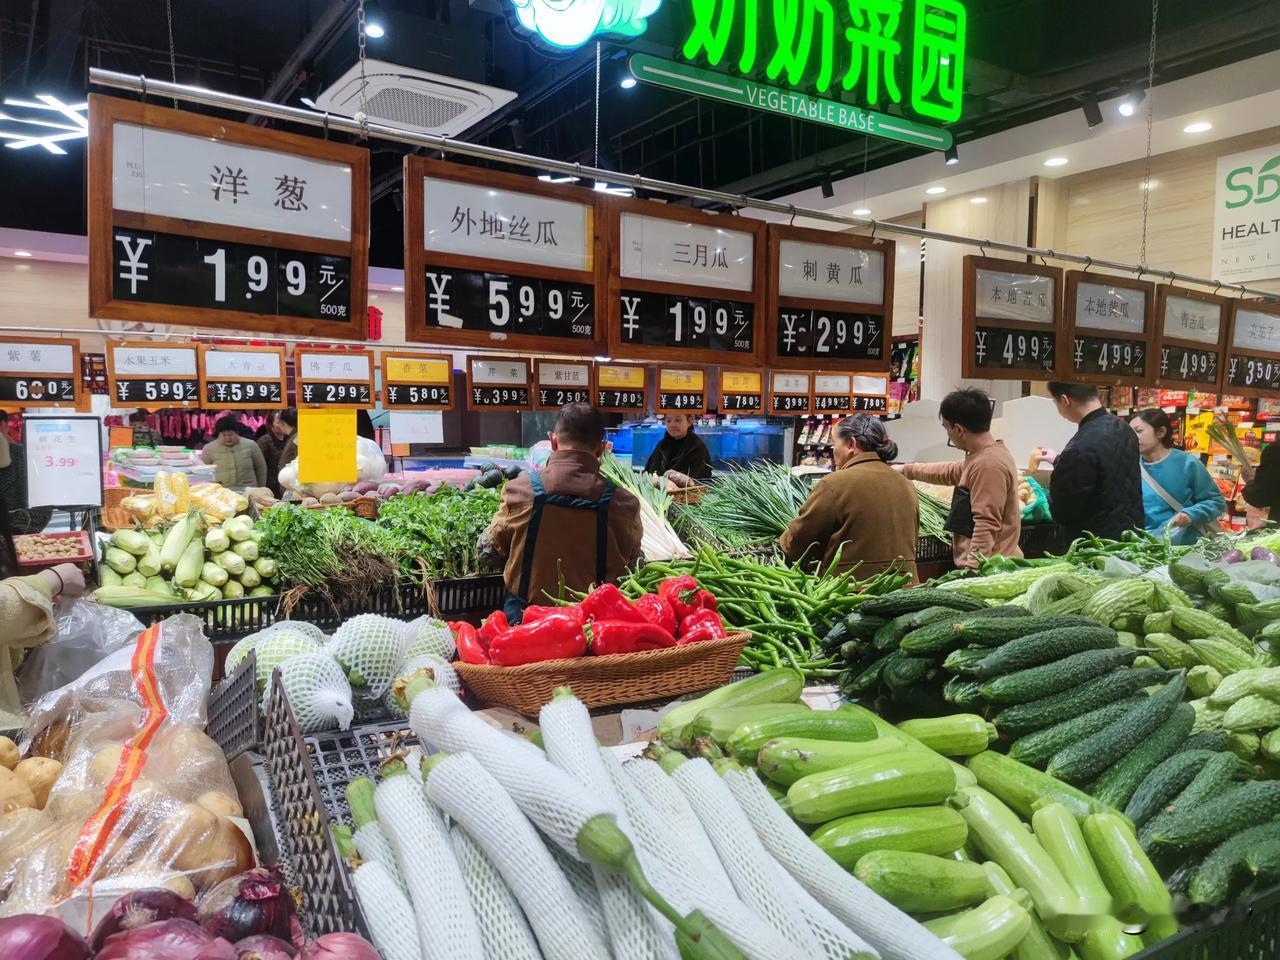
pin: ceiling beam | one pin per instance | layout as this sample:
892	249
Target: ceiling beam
323	32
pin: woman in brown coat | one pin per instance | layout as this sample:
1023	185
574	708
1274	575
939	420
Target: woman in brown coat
864	510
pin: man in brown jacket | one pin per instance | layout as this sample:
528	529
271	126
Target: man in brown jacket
566	521
986	517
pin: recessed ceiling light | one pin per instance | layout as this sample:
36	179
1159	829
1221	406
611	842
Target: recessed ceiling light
22	253
862	212
977	199
397	289
934	191
1056	162
1200	126
627	82
375	31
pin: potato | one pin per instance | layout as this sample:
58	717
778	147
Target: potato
104	763
8	753
215	801
40	774
14	793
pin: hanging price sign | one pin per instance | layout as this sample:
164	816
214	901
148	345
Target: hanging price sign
153	375
1193	336
622	389
741	391
790	393
39	373
682	391
870	394
498	383
1253	357
561	382
1012	318
1111	321
201	221
417	381
334	379
243	378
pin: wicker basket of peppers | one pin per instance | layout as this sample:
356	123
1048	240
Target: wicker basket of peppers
609	649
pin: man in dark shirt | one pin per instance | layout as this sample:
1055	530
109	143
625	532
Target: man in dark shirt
1096	484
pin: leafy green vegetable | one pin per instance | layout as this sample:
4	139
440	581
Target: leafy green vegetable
436	535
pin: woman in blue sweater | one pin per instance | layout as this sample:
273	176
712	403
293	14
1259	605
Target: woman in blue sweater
1177	492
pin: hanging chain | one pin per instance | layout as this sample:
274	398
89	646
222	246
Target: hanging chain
1151	82
173	57
597	131
362	116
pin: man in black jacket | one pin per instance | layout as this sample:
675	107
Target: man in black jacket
1096	485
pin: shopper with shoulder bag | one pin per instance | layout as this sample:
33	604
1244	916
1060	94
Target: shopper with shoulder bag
1178	495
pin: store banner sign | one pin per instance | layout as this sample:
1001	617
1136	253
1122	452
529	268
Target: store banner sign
243	378
1113	327
1188	319
1193	327
1246	217
39	373
870	394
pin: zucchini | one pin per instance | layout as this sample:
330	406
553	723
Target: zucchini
1106	940
1122	778
922	882
1219	817
1083	761
1059	833
1044	646
788	759
987	932
1224	872
1037	944
746	741
1170	652
964	660
1165	782
907	779
890	635
1036	683
1138	893
782	685
935	830
1251	713
719	723
1215	778
1036	748
1203	680
959	735
1029	717
911	599
1022	787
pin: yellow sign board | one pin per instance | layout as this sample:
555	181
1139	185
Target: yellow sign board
429	370
621	378
693	380
326	446
741	381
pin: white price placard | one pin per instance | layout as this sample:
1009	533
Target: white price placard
1100	306
1256	330
499	372
64	461
154	361
868	386
556	374
833	384
822	271
655	248
1005	295
245	363
1188	319
421	426
42	358
336	366
790	383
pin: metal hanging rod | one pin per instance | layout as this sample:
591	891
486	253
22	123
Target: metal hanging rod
230	101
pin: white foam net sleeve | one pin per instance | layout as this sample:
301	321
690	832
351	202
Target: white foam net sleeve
476	800
890	931
447	925
548	796
505	930
372	845
388	912
635	931
837	941
682	876
582	880
442	673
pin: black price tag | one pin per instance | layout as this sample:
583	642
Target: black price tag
30	389
1255	373
791	402
165	268
513	305
408	395
829	403
829	335
1003	348
682	400
741	401
871	404
482	396
1188	363
241	391
559	396
161	392
1110	358
319	392
610	398
666	320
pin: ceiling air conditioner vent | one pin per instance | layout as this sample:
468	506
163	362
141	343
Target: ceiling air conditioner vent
413	99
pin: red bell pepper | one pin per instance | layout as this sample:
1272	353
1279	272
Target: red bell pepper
555	636
619	636
533	613
706	600
657	610
467	640
494	624
679	592
607	603
701	625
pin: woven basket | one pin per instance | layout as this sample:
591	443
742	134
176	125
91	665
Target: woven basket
607	681
366	507
690	496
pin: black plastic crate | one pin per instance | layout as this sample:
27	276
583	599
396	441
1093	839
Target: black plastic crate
225	621
932	550
1041	539
467	597
235	713
1248	930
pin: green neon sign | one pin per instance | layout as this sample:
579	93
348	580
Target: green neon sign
859	44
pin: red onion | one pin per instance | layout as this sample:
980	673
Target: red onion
29	936
261	947
339	946
256	901
166	940
138	908
1234	555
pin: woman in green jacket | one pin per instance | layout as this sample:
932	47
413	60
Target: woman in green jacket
238	461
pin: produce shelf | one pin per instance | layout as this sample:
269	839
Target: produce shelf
234	712
1248	930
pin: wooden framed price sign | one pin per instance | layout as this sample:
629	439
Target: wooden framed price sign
242	378
790	393
499	259
685	286
1253	354
741	391
1112	330
622	388
498	383
334	379
832	393
682	390
870	394
417	381
39	373
153	375
1012	316
830	305
561	382
1193	336
201	221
